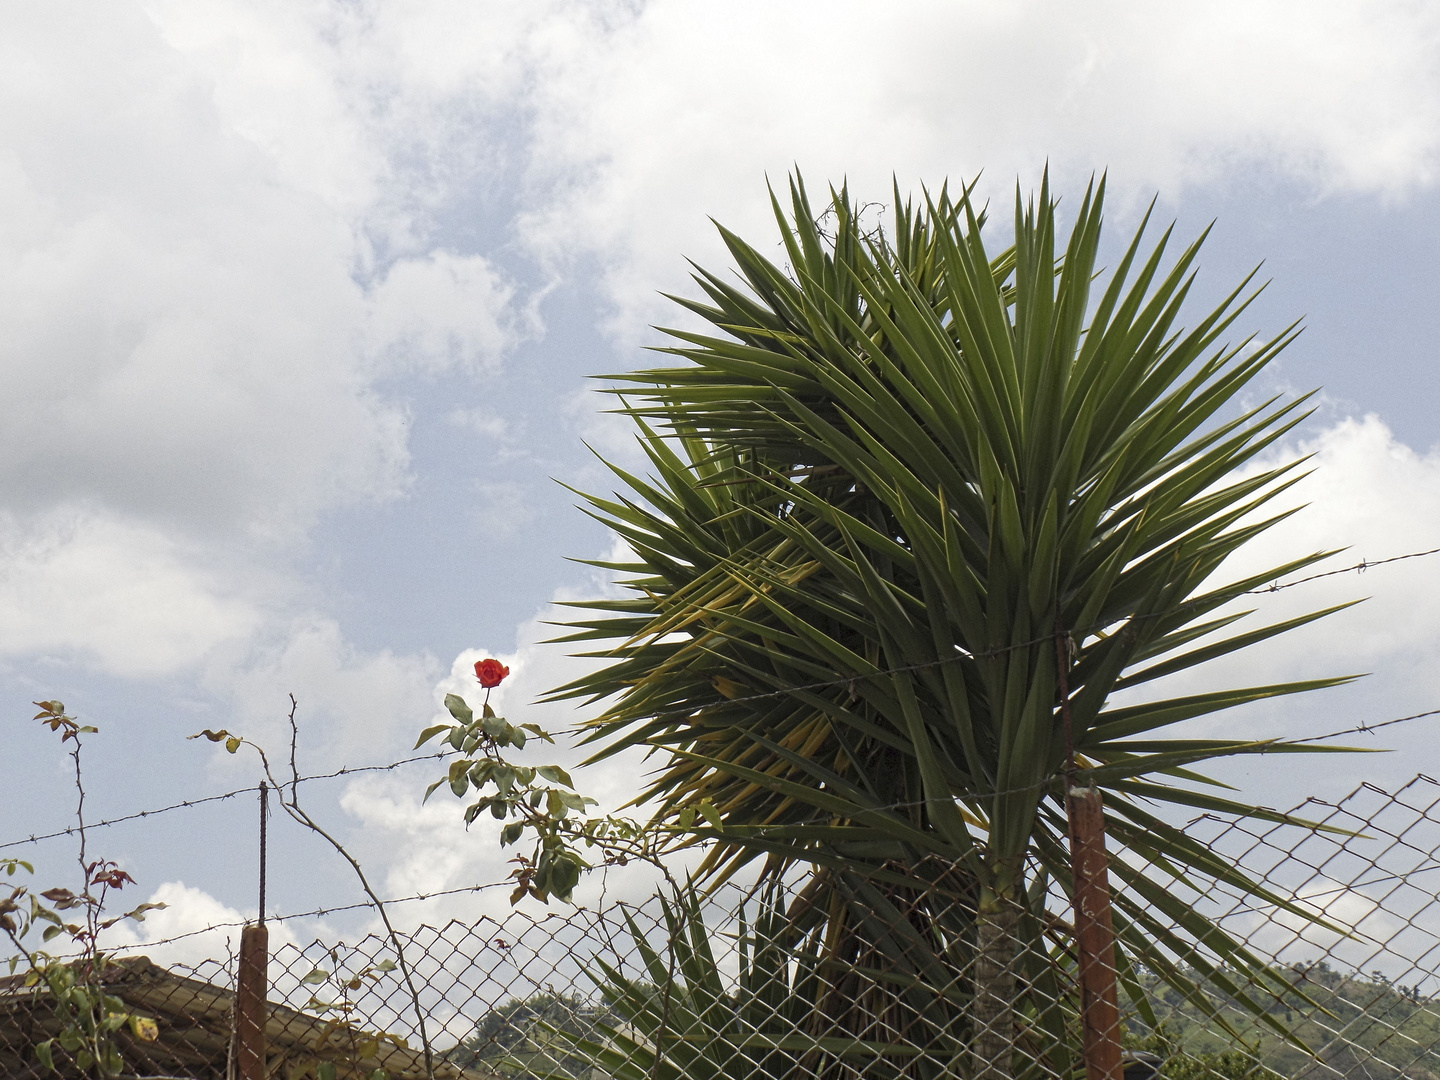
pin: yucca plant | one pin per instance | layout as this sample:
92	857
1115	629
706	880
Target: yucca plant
902	486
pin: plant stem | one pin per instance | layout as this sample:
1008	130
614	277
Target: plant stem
293	809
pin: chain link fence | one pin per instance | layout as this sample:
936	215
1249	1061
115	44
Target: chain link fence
843	978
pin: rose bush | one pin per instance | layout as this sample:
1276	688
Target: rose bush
539	799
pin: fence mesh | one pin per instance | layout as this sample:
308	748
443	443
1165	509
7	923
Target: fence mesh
845	978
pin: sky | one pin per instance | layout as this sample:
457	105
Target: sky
300	304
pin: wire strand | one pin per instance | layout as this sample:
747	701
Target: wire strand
1359	567
1289	817
188	804
316	913
1044	639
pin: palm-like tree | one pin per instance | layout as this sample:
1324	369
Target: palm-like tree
893	476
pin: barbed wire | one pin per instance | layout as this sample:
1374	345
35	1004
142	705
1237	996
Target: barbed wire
990	654
1291	817
850	681
1359	567
187	804
1262	747
316	913
320	912
1365	729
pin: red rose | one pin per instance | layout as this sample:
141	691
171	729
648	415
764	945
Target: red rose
490	672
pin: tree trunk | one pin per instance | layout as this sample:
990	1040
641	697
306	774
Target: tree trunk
995	990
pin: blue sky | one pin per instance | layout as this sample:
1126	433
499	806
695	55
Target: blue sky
300	302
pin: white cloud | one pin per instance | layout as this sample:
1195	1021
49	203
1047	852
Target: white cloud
121	595
355	707
272	74
196	321
1376	498
1361	934
440	312
176	320
644	125
481	421
184	335
194	928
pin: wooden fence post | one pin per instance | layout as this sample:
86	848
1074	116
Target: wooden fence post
251	993
1094	934
1090	878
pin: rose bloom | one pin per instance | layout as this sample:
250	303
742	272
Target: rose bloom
490	673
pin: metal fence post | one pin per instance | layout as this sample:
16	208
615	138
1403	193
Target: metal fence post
252	989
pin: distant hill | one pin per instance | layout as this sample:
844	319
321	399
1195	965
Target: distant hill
512	1033
1356	1026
